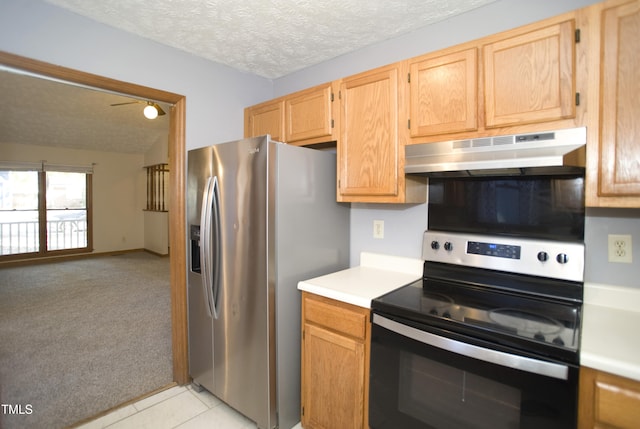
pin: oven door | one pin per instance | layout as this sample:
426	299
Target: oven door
423	377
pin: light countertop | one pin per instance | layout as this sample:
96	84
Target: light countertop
610	324
376	275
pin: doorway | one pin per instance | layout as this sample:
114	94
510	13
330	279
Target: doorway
177	202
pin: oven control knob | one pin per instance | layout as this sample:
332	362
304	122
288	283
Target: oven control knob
448	246
562	258
446	315
433	312
558	341
543	256
435	245
539	336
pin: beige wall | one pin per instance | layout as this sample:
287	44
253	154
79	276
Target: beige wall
119	192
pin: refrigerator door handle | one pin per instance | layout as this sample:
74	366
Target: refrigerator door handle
215	216
205	240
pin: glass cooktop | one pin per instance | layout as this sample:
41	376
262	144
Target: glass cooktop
531	323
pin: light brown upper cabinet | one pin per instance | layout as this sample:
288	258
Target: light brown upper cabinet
530	77
302	118
265	118
617	158
443	93
310	116
371	149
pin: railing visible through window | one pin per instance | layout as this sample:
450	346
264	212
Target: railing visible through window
66	210
44	208
24	237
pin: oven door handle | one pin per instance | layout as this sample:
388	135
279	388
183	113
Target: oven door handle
496	357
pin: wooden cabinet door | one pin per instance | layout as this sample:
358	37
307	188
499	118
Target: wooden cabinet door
443	94
265	118
530	77
608	401
620	110
368	150
333	380
309	115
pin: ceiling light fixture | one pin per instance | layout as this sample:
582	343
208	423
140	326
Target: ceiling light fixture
150	111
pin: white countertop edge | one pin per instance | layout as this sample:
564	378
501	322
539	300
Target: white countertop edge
392	263
377	275
624	298
612	366
358	285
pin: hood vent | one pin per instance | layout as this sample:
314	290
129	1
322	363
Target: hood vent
534	153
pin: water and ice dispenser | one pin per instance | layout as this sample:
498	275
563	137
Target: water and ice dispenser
194	255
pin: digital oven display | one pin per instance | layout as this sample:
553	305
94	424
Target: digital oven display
491	249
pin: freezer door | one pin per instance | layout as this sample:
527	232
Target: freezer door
241	345
199	310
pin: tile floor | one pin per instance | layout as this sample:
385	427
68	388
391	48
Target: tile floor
179	407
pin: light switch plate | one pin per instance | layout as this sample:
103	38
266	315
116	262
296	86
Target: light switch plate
378	229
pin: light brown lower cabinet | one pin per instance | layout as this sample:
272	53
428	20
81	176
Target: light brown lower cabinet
335	364
608	401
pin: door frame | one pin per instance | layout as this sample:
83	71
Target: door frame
177	154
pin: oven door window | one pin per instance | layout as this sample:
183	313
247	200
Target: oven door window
445	396
418	386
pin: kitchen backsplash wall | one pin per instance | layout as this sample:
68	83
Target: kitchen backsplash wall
403	227
404	224
600	223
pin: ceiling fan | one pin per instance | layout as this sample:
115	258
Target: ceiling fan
151	111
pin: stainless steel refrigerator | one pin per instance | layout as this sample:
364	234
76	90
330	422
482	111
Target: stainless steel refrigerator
262	216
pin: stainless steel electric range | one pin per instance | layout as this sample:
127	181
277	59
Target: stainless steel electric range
490	336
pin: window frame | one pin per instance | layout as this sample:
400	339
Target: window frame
43	252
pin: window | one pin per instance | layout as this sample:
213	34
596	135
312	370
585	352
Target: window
44	209
157	176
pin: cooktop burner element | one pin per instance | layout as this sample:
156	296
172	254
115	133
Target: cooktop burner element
525	322
436	304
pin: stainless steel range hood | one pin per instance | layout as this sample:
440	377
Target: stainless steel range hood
512	154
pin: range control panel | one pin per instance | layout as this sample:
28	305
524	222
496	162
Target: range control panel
493	249
555	259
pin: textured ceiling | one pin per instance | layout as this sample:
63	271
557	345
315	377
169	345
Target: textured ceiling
47	113
270	38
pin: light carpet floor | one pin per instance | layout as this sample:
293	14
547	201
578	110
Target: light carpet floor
79	337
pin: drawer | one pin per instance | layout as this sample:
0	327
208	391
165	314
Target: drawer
335	315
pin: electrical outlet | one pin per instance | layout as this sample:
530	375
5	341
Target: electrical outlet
378	229
620	248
